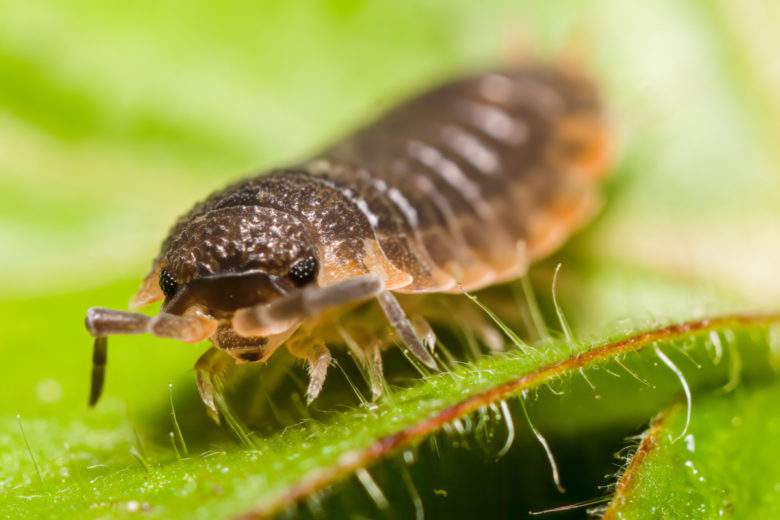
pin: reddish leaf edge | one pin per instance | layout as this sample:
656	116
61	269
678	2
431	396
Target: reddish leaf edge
356	459
627	480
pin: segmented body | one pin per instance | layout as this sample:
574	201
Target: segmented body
454	190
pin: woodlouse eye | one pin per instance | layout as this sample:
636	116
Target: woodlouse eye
168	284
303	271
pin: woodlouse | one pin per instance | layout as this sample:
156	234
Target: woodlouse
454	190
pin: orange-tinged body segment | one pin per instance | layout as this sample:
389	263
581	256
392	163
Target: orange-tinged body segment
454	190
488	172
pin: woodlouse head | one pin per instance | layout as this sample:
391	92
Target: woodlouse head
234	257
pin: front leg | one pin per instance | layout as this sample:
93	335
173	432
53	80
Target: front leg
229	350
317	357
210	371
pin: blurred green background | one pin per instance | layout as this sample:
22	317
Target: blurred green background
116	117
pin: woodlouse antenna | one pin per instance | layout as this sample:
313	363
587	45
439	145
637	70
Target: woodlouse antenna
190	327
102	323
99	358
282	313
423	200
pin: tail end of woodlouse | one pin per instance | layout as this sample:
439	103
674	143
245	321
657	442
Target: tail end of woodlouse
584	145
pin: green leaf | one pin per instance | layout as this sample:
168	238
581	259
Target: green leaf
114	119
725	464
287	466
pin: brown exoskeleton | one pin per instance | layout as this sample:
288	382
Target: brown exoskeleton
454	190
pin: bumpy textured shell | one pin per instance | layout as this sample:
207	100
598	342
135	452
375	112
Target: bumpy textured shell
453	190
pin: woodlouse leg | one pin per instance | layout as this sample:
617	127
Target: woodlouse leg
366	349
375	370
318	358
102	322
424	331
284	312
404	328
210	370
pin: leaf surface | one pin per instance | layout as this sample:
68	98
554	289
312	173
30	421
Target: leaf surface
115	119
725	464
